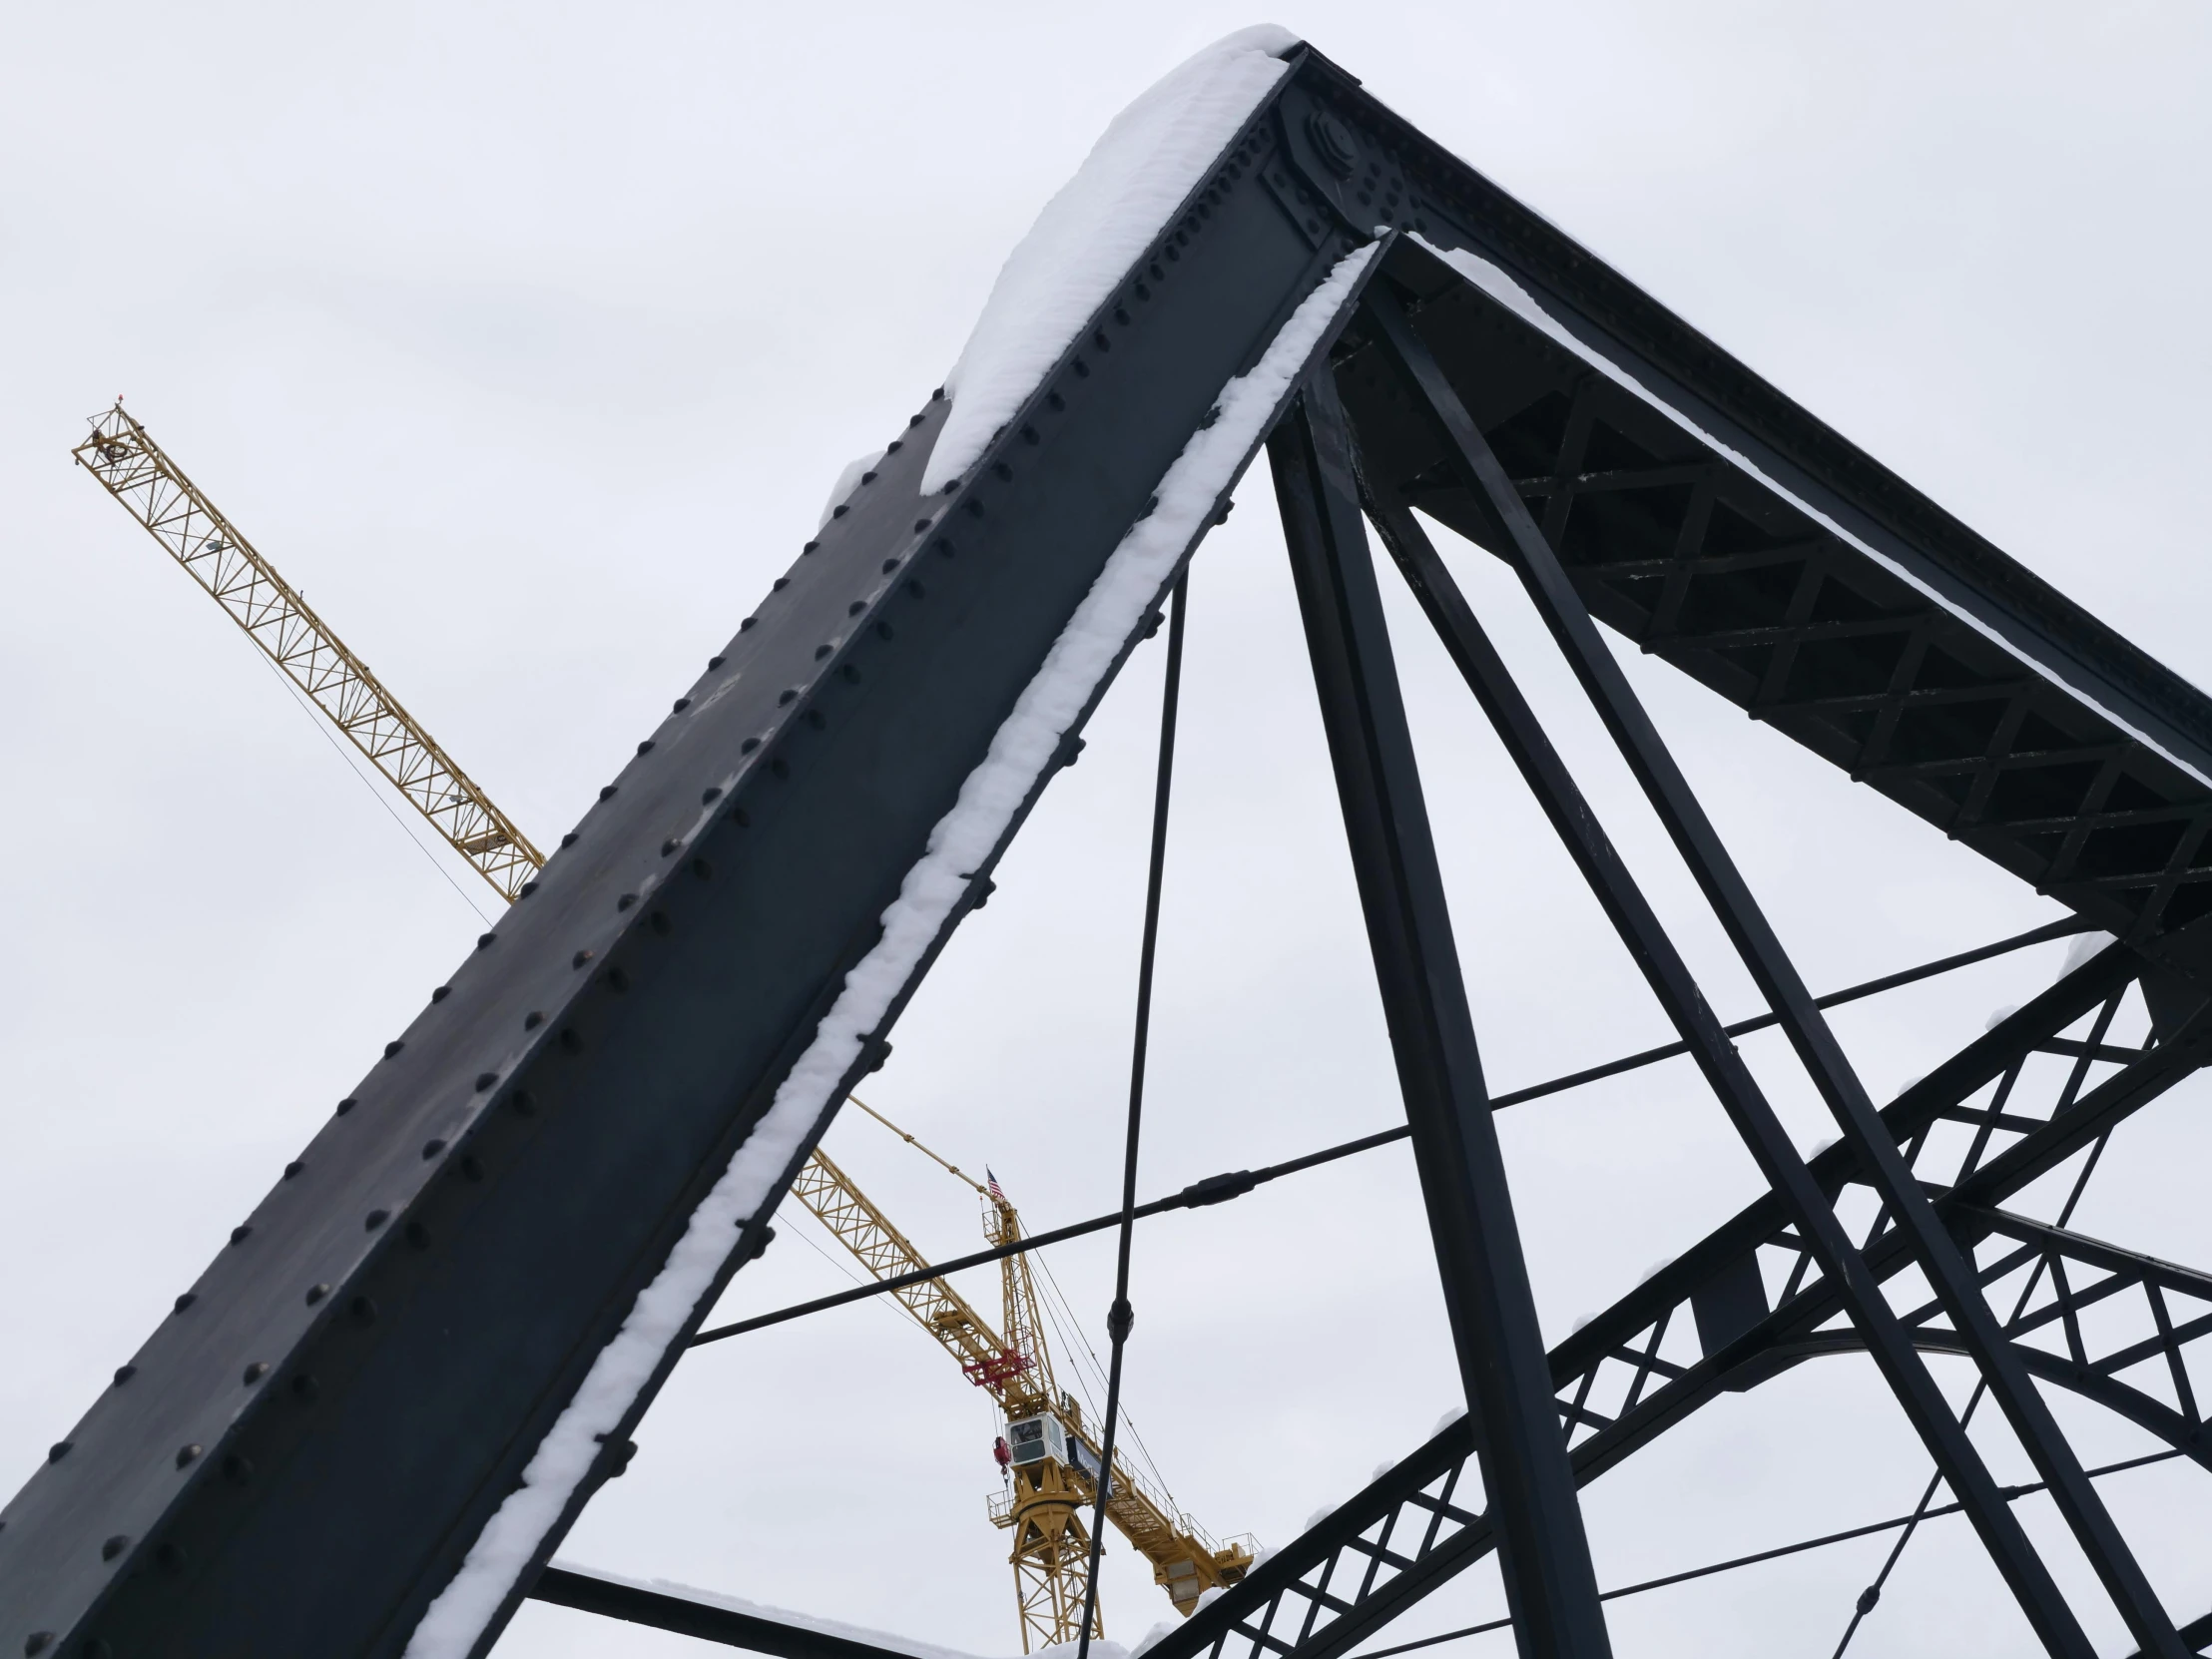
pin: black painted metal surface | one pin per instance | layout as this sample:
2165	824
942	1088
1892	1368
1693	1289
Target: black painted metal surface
297	1459
1888	1172
1727	1304
1625	1379
1406	178
302	1455
1707	566
1544	1556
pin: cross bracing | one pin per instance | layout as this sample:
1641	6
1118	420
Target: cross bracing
1426	352
1622	1382
1708	568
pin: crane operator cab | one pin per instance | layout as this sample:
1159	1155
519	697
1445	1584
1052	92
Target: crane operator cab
1038	1440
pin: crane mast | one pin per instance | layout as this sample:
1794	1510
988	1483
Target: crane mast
1051	1460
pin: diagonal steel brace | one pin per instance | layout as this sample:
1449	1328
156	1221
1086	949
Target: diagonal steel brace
1550	1586
1949	1273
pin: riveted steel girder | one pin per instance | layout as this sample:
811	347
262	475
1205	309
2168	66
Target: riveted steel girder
1934	670
300	1457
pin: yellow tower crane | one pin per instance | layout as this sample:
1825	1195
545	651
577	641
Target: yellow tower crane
1050	1458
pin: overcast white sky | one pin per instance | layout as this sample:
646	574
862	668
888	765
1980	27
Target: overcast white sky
527	340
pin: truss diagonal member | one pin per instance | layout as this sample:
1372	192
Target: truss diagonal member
1755	1355
1787	1335
1300	1574
1550	1584
1291	1575
1990	1056
1786	1172
2118	1271
1792	1333
2096	1112
1948	1272
2197	1633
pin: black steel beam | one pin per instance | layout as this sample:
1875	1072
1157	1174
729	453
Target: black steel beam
1332	1581
1786	1332
1732	1085
1550	1586
2197	1633
2099	1111
1401	175
661	1608
1792	1333
304	1455
1758	591
1319	1595
1822	1056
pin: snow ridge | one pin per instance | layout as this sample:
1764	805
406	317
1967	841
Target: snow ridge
1098	225
1021	752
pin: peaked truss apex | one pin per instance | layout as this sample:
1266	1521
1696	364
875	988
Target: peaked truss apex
378	1411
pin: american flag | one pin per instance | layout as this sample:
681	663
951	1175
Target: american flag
993	1180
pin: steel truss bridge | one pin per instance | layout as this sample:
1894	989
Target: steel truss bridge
371	1421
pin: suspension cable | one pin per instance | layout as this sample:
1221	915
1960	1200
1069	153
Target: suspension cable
1870	1596
1120	1317
940	1162
1076	1341
1214	1189
2059	929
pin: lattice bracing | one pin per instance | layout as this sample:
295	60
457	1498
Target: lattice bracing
1709	1323
1703	565
1319	1595
275	618
2121	1327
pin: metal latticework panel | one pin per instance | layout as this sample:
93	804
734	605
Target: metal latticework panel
1748	589
133	468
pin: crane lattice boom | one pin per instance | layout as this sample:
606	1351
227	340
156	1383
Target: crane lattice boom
155	491
985	1356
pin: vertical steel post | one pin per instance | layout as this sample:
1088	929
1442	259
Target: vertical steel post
1949	1274
1550	1586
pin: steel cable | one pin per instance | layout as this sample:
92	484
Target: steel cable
1870	1596
1119	1316
1217	1189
